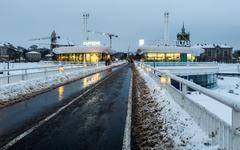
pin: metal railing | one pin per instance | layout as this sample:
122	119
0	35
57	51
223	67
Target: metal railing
15	75
229	68
160	64
223	134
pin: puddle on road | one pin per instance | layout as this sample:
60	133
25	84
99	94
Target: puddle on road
60	93
74	88
91	80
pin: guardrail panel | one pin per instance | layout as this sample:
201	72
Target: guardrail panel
21	74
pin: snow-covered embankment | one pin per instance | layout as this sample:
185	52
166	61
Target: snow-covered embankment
159	122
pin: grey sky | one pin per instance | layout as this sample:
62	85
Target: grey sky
208	21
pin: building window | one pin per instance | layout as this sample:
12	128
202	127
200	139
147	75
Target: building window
225	53
151	56
172	56
190	57
209	53
162	56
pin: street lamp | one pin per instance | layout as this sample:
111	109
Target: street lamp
8	66
85	18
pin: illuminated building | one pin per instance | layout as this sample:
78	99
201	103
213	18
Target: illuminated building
82	53
155	51
169	53
176	59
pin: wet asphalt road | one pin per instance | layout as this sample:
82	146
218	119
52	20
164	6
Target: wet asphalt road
95	121
21	116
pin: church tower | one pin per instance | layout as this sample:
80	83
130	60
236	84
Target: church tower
54	38
183	38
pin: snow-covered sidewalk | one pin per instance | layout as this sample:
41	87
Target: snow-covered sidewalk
18	91
177	129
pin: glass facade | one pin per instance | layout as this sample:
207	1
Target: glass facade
168	57
83	57
207	80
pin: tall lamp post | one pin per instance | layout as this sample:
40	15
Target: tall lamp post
85	23
8	66
154	62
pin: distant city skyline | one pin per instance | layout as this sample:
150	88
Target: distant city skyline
207	21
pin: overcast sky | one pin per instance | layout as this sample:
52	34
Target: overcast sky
208	21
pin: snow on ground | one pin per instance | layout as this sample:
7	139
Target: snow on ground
181	127
219	109
23	88
229	68
228	86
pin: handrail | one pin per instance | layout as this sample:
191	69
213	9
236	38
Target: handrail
42	67
225	135
161	63
230	102
21	74
50	66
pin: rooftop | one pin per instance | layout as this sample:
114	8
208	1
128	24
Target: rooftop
212	46
81	49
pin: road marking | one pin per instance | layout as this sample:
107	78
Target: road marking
29	131
127	130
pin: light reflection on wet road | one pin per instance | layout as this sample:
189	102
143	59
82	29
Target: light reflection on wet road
95	122
18	117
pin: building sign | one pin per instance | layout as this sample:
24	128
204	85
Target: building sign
91	43
141	42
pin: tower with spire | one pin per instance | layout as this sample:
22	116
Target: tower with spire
183	38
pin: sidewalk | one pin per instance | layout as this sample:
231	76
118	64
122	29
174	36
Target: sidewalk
159	122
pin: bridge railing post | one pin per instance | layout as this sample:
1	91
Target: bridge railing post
236	129
26	77
45	72
184	90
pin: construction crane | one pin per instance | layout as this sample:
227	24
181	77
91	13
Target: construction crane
53	39
110	35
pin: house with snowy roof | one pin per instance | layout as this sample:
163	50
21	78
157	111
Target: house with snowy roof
7	51
216	52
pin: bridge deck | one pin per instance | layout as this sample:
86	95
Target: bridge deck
94	121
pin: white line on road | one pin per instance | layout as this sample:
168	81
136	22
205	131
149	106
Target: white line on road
127	130
21	136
